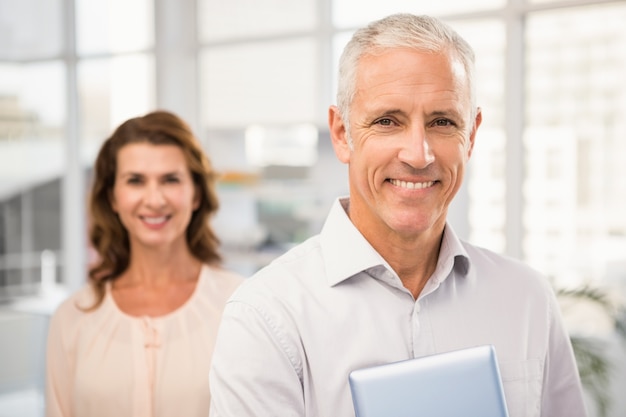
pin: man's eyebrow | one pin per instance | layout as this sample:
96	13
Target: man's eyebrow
456	115
445	112
377	113
393	112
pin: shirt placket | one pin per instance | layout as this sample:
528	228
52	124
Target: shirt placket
152	342
422	334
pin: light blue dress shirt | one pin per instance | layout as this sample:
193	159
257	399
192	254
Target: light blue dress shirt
292	333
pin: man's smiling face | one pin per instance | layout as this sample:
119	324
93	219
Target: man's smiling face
411	135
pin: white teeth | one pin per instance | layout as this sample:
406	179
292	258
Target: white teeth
412	185
154	220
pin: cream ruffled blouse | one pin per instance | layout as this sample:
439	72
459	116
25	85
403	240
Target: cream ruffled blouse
108	363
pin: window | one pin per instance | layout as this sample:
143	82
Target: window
574	227
32	127
355	13
42	183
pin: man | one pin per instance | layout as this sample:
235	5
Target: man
387	279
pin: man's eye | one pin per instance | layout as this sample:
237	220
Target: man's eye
385	122
443	123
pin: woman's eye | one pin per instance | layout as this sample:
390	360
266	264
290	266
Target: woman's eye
172	180
134	180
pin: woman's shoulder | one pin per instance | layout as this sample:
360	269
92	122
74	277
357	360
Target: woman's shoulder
73	315
219	280
76	305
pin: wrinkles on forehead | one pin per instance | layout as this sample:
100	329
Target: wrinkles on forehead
437	82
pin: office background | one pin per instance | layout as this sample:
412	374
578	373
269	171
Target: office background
254	78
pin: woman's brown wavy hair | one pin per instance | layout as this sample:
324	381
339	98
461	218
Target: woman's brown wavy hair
107	234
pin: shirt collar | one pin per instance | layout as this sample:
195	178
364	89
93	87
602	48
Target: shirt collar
346	252
452	256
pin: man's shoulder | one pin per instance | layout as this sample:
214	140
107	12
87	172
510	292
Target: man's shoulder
490	258
306	254
486	262
295	268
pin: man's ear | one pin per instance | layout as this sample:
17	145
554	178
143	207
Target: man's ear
477	121
338	135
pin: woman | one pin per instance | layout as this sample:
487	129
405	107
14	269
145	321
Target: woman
138	339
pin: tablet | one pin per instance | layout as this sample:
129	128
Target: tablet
460	383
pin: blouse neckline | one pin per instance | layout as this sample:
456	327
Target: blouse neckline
111	300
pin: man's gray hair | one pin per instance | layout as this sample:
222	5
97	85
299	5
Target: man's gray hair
422	33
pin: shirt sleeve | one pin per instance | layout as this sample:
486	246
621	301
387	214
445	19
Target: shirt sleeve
562	393
59	375
255	369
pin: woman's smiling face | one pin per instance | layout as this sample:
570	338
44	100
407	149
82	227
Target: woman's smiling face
154	194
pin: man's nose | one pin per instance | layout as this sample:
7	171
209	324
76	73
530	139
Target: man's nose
415	148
